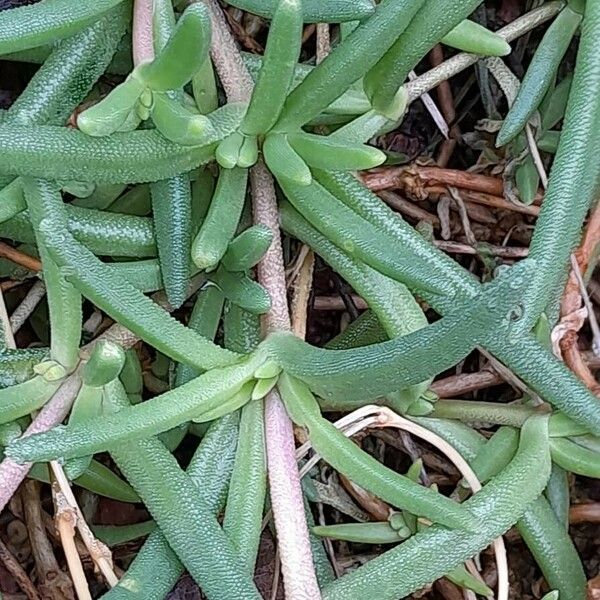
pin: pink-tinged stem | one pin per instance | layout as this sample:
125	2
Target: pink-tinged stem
299	576
271	271
142	37
295	553
234	76
11	473
297	566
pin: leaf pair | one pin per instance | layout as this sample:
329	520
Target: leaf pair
274	80
368	372
363	469
115	295
104	365
391	302
147	90
228	258
290	156
385	533
426	556
541	529
228	465
214	392
181	512
61	153
442	282
426	27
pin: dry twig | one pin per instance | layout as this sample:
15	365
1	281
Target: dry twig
53	582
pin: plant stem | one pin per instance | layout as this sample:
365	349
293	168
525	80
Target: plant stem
67	504
143	42
65	524
271	272
12	473
284	482
234	76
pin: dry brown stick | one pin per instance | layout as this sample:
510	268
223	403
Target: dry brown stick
592	361
408	208
479	213
421	176
437	464
508	376
378	509
337	303
9	284
448	590
446	100
54	583
413	187
501	203
574	359
509	252
308	32
572	301
16	570
585	513
51	531
476	212
302	287
20	258
98	551
328	542
66	520
594	588
465	383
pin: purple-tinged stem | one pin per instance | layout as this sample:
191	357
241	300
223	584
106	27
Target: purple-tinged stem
11	473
